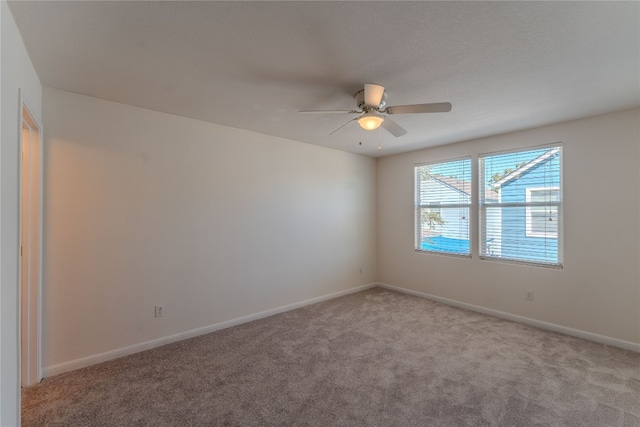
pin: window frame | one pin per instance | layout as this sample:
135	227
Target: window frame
439	206
483	207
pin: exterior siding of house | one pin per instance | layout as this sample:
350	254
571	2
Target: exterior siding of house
514	219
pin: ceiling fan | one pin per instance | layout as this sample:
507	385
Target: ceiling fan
373	110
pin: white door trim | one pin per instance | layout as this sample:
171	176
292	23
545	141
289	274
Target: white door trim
30	240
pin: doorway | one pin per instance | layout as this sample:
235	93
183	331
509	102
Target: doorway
30	246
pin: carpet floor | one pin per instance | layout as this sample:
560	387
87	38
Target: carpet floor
374	358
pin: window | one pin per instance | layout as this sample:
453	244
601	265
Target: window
442	202
542	221
520	206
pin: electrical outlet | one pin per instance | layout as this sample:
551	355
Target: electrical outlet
159	311
528	295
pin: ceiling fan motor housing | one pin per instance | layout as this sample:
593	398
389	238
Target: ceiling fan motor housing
359	96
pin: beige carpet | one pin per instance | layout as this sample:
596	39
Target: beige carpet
375	358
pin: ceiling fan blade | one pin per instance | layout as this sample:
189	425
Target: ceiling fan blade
393	128
373	95
329	111
438	107
343	126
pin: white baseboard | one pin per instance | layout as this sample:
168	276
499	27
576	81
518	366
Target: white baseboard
627	345
147	345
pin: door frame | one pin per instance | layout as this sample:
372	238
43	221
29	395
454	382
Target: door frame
30	241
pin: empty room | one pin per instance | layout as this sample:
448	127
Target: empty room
341	213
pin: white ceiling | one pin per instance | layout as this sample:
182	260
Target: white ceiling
504	66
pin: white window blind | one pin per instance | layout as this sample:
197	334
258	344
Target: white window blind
442	202
520	206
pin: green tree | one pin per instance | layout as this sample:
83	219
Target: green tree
498	176
432	218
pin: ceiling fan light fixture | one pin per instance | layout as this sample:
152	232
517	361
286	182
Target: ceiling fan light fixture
370	120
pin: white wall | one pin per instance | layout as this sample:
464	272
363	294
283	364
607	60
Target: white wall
598	291
214	223
17	73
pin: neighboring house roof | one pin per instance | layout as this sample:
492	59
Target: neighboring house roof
545	157
454	183
462	186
